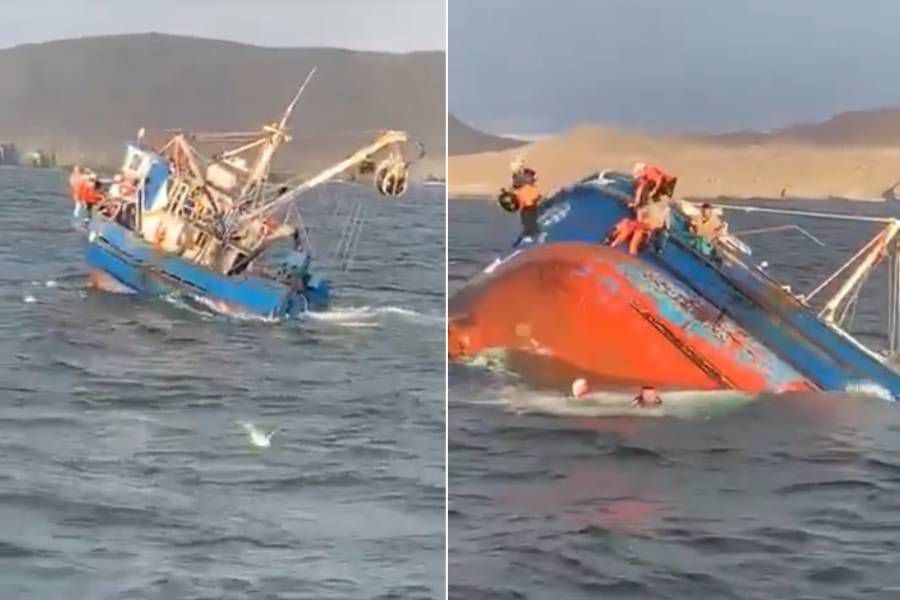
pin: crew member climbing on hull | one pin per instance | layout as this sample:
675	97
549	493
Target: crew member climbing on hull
653	189
651	183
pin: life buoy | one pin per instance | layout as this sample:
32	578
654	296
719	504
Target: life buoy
508	200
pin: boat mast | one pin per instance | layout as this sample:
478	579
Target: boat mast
253	188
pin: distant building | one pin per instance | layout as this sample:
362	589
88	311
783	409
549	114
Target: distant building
9	154
40	159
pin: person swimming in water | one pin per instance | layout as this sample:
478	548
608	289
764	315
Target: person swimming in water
648	397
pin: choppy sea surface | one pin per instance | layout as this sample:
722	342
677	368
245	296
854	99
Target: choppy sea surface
786	497
125	470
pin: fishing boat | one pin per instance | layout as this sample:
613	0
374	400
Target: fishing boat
202	216
673	316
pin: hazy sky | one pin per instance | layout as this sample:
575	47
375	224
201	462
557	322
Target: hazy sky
392	25
536	66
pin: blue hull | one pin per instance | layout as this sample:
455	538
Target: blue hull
827	356
123	260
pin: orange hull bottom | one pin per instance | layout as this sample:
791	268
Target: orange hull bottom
612	318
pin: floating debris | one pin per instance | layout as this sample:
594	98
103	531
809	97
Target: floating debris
258	438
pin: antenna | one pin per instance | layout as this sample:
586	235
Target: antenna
290	107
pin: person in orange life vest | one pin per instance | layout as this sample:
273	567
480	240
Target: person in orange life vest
650	183
75	181
649	219
83	184
88	191
528	197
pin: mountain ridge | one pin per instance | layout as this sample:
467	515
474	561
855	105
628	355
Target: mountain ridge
85	97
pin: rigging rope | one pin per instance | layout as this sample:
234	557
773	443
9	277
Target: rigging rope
849	308
359	227
894	303
350	235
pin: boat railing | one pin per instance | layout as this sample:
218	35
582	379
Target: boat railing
838	309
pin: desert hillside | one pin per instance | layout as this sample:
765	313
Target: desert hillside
83	98
464	139
856	156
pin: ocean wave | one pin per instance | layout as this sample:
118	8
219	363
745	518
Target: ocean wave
362	316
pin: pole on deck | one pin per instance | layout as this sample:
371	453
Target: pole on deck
870	260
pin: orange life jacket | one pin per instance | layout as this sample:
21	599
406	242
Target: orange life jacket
87	193
653	178
528	196
76	181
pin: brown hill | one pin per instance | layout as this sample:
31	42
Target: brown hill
755	166
464	139
869	128
83	98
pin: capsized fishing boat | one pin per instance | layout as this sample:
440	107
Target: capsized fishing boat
673	316
215	226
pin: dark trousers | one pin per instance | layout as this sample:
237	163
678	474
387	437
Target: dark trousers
530	222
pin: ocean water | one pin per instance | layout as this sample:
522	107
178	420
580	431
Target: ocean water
781	498
126	471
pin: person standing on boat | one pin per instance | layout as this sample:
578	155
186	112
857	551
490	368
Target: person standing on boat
529	197
523	198
85	192
75	180
651	183
524	183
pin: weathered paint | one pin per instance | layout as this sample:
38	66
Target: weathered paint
127	262
728	306
102	280
604	313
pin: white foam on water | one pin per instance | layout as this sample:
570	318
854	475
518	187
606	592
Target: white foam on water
690	404
494	360
29	299
223	309
361	316
258	437
51	283
206	308
359	324
870	388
